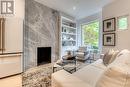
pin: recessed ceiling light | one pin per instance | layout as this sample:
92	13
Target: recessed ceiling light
74	7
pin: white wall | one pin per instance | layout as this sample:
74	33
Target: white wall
116	9
91	18
19	8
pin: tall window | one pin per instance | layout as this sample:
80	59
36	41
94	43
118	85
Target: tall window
90	34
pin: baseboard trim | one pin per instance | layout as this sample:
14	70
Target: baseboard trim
10	76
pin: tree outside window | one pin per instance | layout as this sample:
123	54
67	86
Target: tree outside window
90	34
123	23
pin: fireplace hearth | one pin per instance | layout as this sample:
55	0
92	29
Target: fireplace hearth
43	55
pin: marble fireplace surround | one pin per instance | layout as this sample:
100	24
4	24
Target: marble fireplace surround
41	29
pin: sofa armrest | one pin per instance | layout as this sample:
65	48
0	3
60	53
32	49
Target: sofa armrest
65	79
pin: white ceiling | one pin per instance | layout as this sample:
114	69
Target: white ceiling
83	9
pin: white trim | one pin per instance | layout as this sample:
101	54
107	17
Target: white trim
63	17
90	22
68	26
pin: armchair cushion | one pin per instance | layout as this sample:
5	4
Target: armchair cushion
82	49
80	54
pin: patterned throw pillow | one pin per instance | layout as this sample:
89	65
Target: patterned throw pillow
115	53
109	57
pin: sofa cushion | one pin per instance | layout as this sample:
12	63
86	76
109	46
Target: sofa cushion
122	58
65	79
89	74
99	64
115	76
118	73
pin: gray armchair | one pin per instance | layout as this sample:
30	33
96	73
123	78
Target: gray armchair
82	53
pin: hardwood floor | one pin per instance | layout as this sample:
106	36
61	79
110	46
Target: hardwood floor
13	81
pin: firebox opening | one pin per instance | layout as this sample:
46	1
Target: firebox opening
43	55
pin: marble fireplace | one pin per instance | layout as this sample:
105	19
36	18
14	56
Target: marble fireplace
41	30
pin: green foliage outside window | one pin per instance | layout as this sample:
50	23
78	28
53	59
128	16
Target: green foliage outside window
91	34
122	23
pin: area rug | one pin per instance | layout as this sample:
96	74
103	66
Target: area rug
40	76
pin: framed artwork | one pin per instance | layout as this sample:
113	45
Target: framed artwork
109	25
109	39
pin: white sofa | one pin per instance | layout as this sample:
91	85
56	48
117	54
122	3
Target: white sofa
85	77
116	74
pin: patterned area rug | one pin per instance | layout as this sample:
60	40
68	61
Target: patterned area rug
41	76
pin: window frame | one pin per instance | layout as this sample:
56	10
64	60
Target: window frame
124	16
82	38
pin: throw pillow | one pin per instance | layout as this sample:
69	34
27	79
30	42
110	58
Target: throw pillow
117	74
122	58
107	57
114	55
